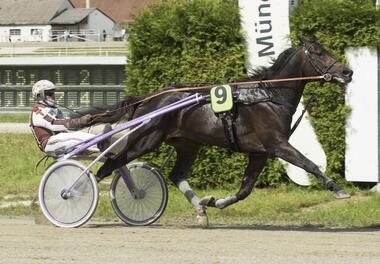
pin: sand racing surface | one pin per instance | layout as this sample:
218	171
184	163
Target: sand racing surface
23	241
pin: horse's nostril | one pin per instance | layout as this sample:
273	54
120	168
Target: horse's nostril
347	72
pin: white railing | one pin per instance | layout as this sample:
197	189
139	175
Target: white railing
100	51
88	35
71	35
62	51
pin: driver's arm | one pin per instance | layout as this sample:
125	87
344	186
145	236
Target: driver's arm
42	118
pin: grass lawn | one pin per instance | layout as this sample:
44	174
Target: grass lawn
14	118
286	205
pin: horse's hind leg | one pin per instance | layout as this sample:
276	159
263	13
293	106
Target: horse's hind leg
256	163
288	153
186	154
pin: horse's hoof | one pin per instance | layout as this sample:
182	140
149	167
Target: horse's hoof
342	195
207	201
202	218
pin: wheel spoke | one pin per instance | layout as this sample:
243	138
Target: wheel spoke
145	209
79	206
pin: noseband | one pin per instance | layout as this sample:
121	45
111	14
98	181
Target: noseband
320	67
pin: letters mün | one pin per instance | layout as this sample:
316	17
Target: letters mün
268	45
265	27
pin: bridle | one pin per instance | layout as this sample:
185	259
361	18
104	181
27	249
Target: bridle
320	67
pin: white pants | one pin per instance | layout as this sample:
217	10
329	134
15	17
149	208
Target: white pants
101	128
65	140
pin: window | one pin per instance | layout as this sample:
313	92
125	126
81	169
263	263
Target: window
35	31
15	32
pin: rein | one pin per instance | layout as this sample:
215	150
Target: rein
298	121
187	89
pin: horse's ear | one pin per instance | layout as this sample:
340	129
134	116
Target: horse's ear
305	41
301	40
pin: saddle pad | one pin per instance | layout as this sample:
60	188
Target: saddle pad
253	94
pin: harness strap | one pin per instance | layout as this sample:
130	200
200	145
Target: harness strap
228	119
229	130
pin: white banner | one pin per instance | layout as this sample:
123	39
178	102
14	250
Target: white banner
362	126
266	25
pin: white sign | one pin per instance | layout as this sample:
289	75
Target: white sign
266	25
362	127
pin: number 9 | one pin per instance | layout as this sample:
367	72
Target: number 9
221	94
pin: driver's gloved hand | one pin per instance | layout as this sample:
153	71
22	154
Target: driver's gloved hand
78	123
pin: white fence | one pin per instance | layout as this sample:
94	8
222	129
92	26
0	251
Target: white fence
62	51
46	34
81	35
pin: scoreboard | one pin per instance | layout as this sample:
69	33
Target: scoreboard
77	85
62	75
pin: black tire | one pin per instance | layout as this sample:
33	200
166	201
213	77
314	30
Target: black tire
146	209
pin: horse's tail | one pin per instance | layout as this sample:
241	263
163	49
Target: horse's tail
113	113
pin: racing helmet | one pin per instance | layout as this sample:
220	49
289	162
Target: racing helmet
39	88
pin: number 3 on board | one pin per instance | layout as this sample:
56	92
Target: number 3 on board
221	98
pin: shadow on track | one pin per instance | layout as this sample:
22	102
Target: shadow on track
308	228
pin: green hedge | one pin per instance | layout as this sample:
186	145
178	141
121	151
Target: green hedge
180	41
184	41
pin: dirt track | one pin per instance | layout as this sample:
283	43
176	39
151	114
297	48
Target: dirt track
22	241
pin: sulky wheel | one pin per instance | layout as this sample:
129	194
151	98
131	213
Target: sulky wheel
66	199
141	198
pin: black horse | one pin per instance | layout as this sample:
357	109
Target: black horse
262	129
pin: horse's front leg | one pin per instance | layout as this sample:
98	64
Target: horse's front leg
290	154
256	163
186	154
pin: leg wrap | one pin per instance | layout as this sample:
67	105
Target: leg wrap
188	192
221	203
332	186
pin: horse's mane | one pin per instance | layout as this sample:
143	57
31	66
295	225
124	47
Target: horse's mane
264	73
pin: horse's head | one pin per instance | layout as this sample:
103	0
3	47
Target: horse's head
322	62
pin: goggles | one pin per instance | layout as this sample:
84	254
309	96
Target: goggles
49	92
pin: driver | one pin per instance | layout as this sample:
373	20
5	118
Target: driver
50	129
